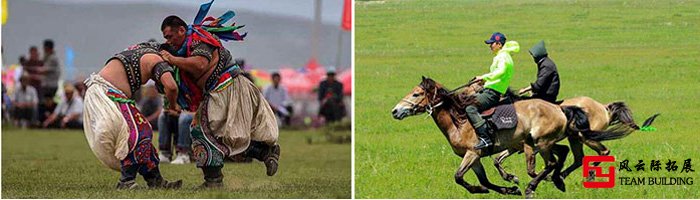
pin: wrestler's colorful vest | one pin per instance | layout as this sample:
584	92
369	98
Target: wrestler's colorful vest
190	96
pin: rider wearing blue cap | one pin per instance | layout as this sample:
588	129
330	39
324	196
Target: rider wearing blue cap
496	84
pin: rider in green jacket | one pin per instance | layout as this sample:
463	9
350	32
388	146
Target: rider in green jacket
496	84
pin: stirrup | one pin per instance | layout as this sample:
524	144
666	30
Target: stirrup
482	144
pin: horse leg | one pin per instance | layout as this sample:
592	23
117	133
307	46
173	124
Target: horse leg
561	151
550	164
530	159
469	158
598	148
601	150
484	180
497	163
577	150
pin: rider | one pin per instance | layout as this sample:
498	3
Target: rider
547	85
497	82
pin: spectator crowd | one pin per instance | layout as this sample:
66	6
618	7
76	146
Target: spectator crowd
41	99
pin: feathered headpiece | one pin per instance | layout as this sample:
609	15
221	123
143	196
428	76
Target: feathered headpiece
216	25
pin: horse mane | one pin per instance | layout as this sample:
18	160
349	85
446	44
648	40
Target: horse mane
454	103
457	102
448	98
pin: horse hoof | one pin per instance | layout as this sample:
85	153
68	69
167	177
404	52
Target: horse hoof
514	191
561	187
529	195
478	189
516	180
559	183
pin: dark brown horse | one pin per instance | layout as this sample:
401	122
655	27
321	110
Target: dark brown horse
540	126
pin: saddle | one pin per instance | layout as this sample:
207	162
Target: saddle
502	116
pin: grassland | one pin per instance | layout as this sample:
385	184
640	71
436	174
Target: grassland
642	52
59	164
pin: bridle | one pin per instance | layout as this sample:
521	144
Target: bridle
428	108
432	105
414	105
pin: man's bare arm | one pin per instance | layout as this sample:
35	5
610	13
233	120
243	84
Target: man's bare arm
192	65
50	119
170	89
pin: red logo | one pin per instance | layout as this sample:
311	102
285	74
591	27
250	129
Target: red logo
498	37
598	172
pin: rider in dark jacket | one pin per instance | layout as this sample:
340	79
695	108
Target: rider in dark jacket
546	87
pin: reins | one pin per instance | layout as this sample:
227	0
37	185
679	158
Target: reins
471	82
431	107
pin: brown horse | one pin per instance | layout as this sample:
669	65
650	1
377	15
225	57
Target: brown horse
540	126
613	116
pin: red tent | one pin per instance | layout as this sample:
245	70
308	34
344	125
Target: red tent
345	78
296	82
304	80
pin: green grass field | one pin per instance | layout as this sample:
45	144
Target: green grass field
642	52
59	164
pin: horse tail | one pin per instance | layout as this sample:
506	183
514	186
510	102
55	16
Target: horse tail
650	120
577	121
621	113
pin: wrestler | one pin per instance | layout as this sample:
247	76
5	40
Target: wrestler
118	134
232	116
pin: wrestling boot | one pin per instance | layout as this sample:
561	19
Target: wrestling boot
266	154
157	183
484	132
213	178
127	185
272	160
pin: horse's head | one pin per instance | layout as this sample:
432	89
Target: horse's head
422	98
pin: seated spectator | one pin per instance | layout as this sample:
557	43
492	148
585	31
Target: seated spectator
330	96
46	107
68	113
25	103
279	100
175	128
150	104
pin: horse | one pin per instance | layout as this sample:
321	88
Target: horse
540	125
613	116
